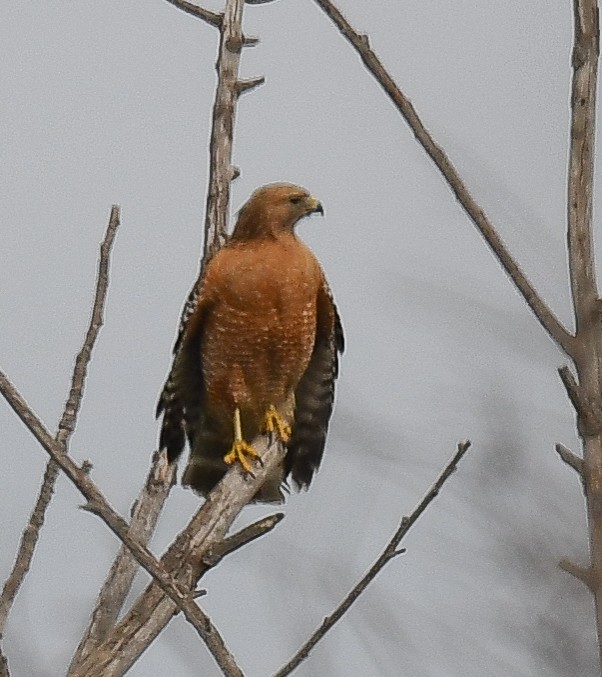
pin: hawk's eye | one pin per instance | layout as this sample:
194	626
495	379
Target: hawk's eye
296	199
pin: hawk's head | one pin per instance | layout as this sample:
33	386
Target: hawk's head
274	209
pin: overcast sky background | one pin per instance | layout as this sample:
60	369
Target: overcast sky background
110	103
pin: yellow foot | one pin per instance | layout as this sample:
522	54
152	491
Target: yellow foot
241	451
274	423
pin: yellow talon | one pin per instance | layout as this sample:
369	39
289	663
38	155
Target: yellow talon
274	423
241	450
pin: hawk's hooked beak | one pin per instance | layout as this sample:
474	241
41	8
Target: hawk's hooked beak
314	205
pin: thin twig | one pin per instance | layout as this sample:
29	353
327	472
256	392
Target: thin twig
360	42
241	538
586	576
390	551
97	504
570	458
66	427
572	389
212	18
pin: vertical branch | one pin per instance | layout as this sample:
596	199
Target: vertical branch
66	427
4	671
221	171
581	164
588	352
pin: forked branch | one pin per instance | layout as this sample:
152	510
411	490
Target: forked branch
144	516
97	504
186	561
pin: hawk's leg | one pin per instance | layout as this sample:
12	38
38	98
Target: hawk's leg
274	423
241	451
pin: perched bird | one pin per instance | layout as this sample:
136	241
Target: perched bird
257	351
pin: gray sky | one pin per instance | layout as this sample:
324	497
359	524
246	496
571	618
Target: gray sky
110	102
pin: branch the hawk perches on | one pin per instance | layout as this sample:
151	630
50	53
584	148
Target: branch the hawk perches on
257	351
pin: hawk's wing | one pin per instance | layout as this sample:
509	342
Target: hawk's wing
181	400
314	395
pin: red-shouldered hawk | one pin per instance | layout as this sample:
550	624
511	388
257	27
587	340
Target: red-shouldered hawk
257	351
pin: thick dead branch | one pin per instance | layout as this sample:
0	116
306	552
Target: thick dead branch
212	18
361	44
66	427
584	289
4	671
185	560
124	566
389	553
97	503
581	163
145	513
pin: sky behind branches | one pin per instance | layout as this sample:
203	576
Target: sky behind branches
110	103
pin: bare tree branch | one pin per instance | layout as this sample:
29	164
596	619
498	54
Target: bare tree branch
573	390
241	538
390	551
4	671
581	164
212	18
213	556
66	427
586	576
185	560
222	130
145	514
584	288
97	503
570	458
361	43
248	85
